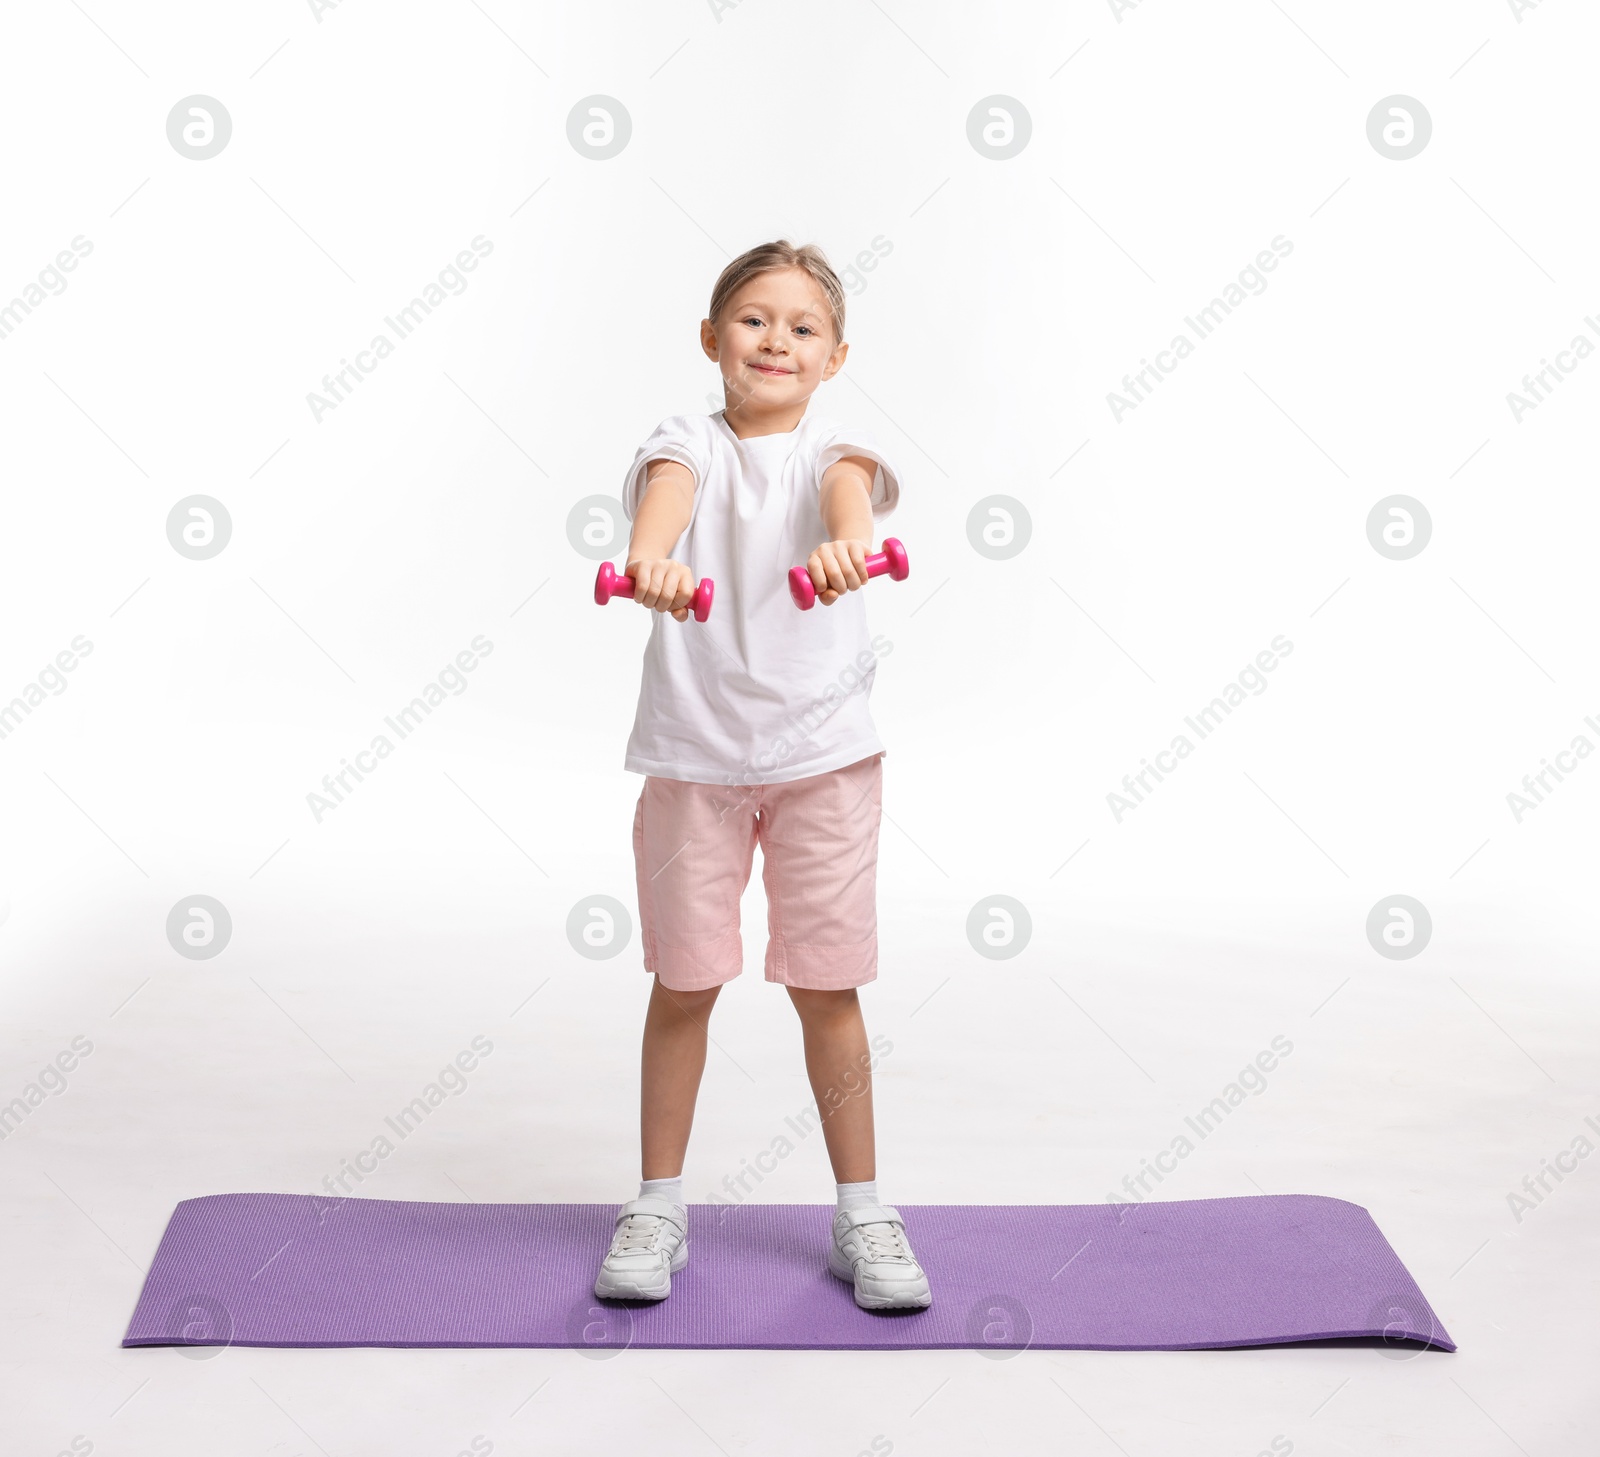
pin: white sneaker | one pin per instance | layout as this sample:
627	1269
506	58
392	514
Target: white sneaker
870	1250
649	1245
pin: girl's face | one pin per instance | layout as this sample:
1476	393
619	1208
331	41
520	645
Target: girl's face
774	343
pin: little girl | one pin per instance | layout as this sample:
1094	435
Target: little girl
753	726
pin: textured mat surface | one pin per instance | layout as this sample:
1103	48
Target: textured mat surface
302	1270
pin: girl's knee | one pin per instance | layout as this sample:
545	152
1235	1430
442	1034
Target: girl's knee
811	1000
688	1003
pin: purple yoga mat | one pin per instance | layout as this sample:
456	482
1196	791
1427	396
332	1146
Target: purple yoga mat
302	1270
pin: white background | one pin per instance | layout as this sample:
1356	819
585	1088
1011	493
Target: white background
1170	144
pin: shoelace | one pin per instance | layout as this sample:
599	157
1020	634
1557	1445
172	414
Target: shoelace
885	1241
638	1232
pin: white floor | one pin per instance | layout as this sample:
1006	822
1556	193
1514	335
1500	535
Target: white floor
1423	1090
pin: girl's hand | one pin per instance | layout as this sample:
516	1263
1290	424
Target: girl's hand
666	585
837	567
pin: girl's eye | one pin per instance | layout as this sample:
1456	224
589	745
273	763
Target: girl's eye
753	319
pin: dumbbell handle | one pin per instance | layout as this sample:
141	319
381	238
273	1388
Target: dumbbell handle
611	583
892	559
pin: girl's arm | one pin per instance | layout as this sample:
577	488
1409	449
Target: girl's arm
839	565
662	517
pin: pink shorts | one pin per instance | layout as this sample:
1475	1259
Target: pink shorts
694	844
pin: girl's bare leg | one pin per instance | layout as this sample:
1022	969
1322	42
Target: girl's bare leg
839	1066
673	1059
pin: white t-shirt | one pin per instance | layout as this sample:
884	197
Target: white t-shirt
761	692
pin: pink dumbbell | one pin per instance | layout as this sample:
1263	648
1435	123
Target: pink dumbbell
892	559
610	583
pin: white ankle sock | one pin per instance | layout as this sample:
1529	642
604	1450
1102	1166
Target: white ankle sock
854	1196
669	1189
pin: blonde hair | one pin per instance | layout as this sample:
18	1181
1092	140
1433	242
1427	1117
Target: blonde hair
765	258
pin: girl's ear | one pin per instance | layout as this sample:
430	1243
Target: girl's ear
835	361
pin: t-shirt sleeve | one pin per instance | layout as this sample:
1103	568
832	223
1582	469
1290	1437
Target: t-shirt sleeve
841	441
675	438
